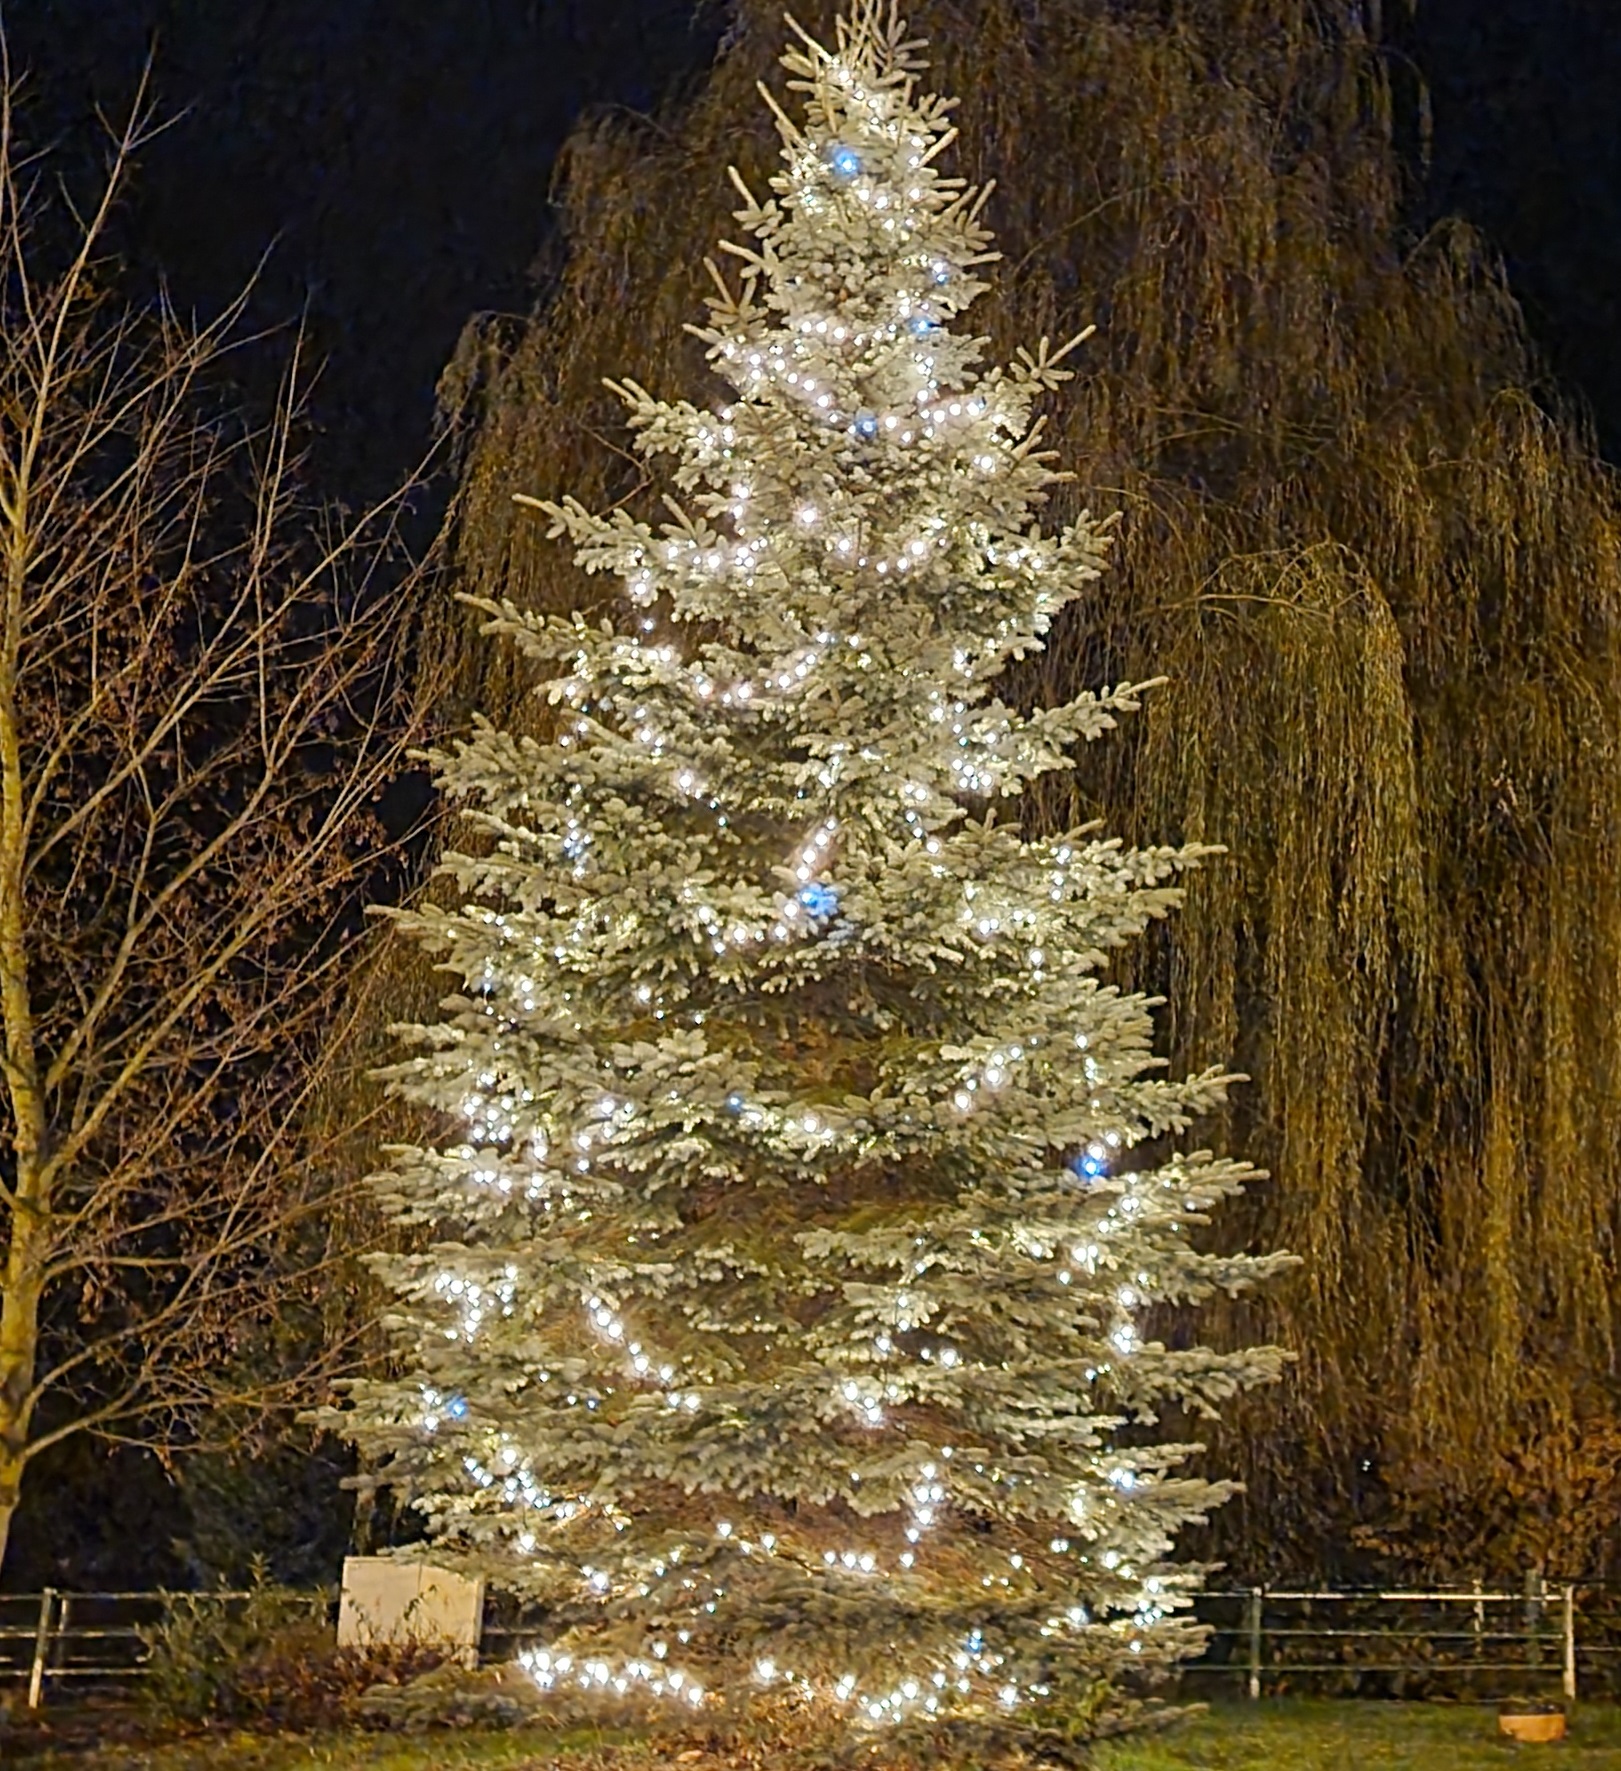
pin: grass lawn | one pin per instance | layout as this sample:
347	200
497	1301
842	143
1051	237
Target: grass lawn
1299	1735
1288	1735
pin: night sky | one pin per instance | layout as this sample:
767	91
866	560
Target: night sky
395	155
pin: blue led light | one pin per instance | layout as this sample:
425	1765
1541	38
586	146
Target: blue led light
866	424
822	901
845	161
456	1408
1088	1166
734	1103
921	325
942	273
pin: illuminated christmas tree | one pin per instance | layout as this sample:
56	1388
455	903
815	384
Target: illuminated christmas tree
784	1311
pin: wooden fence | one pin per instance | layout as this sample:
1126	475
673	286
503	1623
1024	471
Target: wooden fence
1553	1639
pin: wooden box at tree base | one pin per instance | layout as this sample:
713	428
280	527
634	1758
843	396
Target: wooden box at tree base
1532	1726
397	1603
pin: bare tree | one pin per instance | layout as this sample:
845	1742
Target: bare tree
204	697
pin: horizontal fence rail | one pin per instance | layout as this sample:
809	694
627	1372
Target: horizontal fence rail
1399	1642
59	1639
1466	1642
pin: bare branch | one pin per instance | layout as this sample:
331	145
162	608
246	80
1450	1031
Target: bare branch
207	691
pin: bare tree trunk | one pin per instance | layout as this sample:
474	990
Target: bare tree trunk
19	1341
26	1241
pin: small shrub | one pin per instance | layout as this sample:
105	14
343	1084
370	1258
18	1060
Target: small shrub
267	1658
451	1696
197	1650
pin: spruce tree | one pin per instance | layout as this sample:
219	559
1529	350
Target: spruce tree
785	1308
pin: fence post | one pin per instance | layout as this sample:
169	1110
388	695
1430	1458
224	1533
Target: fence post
60	1631
1570	1643
42	1642
1533	1617
1255	1642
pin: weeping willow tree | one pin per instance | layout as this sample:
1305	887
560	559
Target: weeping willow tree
1384	578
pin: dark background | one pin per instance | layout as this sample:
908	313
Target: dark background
1527	145
395	158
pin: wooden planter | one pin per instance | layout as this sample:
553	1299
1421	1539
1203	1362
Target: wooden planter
1532	1725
